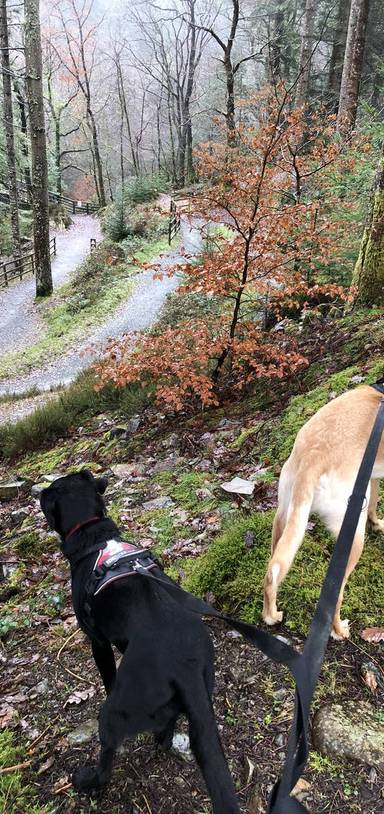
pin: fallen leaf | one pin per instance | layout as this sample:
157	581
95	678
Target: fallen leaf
8	716
239	486
301	789
80	695
373	634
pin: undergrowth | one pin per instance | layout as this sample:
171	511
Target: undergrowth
16	794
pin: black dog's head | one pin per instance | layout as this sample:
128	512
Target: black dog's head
72	500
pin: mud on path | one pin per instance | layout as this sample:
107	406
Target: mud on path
20	325
137	313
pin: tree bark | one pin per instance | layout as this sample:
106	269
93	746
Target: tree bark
9	130
352	68
368	274
305	53
24	130
337	53
34	70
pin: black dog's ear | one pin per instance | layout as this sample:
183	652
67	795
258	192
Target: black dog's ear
101	485
47	503
87	474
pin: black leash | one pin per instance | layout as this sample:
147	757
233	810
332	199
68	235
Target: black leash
304	667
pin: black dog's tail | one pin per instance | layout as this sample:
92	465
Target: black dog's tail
207	748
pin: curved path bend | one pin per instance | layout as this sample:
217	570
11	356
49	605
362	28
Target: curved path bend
20	324
137	313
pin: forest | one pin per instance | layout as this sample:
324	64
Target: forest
191	274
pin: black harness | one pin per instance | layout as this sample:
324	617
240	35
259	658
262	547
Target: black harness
305	667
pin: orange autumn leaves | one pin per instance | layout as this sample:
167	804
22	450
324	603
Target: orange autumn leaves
272	190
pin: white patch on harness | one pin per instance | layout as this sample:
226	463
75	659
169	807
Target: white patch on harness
114	551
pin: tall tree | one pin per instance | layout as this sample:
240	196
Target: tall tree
337	52
24	146
230	69
352	68
9	131
34	71
305	53
78	57
368	275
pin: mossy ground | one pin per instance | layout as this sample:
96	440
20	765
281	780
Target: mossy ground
16	795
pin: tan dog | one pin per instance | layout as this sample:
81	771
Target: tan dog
318	477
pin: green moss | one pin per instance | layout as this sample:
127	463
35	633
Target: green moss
235	575
16	794
31	543
244	435
184	491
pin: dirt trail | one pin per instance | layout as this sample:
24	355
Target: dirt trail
135	314
20	325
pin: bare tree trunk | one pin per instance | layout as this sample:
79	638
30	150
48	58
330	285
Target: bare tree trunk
277	43
33	65
337	54
9	131
368	275
353	63
305	53
24	130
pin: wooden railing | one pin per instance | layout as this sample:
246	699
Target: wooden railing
72	206
174	222
18	267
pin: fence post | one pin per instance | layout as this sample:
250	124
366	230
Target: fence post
87	208
73	207
54	247
33	263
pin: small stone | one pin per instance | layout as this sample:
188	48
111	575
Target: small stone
351	731
19	514
357	379
207	440
158	503
38	488
117	432
133	424
172	440
233	634
83	733
181	747
12	489
54	476
204	465
167	465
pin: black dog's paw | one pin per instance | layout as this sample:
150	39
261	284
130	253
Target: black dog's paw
86	780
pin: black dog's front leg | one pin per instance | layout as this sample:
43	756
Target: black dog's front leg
105	662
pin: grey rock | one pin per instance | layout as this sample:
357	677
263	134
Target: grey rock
19	514
53	476
350	730
117	432
172	440
83	733
12	489
167	465
357	379
181	747
207	440
158	503
38	488
133	424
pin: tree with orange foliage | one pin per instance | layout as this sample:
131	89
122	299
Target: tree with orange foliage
271	189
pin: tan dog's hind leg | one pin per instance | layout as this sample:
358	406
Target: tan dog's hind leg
283	553
377	524
340	628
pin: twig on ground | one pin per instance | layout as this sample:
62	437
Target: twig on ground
63	646
10	769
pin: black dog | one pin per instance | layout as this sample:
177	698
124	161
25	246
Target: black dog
167	667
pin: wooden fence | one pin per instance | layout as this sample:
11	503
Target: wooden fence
16	268
174	222
72	206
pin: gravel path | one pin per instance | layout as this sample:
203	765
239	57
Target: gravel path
135	314
20	324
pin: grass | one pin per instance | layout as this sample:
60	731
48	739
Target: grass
58	416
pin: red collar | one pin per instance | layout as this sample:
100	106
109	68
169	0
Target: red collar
81	525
